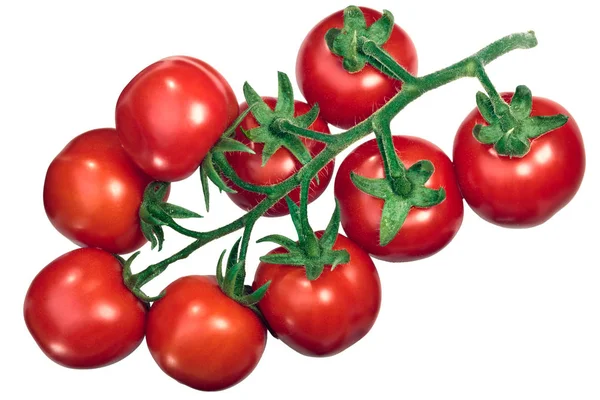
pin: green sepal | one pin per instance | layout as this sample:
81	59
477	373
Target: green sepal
487	134
381	30
280	240
154	213
297	259
175	211
205	187
420	172
269	131
256	296
215	177
521	103
511	132
285	97
423	197
534	127
260	109
231	281
306	120
375	187
309	252
394	213
220	268
225	144
512	145
234	125
397	204
347	42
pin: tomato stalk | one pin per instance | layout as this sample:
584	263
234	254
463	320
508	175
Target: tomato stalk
413	87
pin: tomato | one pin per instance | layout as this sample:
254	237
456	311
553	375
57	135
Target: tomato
280	166
93	192
344	98
327	315
170	115
425	230
201	337
520	192
81	314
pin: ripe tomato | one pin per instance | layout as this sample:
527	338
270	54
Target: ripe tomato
93	192
425	230
81	314
344	98
325	316
201	337
170	115
520	192
280	166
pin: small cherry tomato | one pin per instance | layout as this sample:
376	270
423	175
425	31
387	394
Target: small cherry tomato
202	338
348	98
425	230
171	114
80	313
93	192
327	315
526	191
280	166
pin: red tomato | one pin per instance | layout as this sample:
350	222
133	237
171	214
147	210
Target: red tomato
201	337
93	192
425	231
280	166
325	316
170	115
520	192
81	314
344	98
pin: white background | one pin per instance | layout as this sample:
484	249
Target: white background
498	314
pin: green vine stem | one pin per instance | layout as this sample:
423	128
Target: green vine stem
413	87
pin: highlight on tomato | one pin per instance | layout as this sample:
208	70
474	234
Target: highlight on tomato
171	114
522	173
80	312
93	192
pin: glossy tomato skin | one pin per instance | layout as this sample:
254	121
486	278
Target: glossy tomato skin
201	337
171	114
425	231
520	192
344	98
81	314
325	316
280	166
93	192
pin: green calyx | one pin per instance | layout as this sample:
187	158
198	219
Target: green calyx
400	195
348	42
155	213
132	282
232	281
511	127
271	131
209	171
309	251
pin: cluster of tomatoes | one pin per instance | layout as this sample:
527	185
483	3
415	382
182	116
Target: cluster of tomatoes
82	314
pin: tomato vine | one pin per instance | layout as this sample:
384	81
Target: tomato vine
413	87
